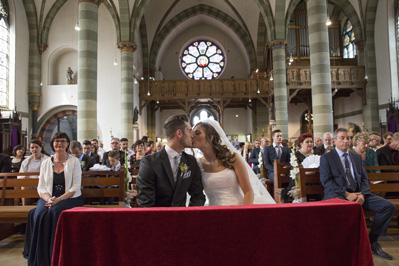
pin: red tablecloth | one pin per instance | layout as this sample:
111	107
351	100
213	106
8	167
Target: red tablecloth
322	233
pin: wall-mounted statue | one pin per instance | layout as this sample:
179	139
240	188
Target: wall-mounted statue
69	75
135	115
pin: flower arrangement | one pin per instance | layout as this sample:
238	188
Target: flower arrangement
294	192
82	164
260	160
128	178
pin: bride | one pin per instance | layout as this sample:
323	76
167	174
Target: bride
226	177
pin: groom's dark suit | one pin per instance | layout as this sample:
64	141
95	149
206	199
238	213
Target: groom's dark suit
334	180
156	186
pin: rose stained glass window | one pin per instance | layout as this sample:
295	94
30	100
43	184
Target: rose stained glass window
202	60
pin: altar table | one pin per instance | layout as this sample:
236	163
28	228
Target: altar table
321	233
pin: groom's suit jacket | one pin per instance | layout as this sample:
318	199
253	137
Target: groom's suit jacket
333	177
157	188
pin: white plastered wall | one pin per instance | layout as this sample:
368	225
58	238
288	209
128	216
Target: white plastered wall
62	36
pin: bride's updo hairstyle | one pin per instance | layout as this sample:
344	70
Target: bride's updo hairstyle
223	154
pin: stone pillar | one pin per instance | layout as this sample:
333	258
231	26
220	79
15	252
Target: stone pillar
87	69
280	85
360	52
127	50
320	68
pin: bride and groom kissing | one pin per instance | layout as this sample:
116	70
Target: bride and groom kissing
165	177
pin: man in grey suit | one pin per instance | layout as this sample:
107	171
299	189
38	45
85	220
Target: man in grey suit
166	176
343	176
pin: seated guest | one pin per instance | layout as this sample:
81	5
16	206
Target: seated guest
388	154
253	158
125	147
241	151
90	150
139	148
114	162
5	163
34	161
247	151
158	146
317	143
387	137
361	146
19	157
150	147
327	142
100	150
86	162
115	146
343	176
264	142
306	143
375	140
275	151
59	190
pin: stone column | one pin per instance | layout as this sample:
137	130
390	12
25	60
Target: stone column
280	85
320	68
87	69
371	116
127	50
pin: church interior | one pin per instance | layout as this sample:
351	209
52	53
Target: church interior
98	69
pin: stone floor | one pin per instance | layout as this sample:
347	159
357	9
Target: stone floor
11	251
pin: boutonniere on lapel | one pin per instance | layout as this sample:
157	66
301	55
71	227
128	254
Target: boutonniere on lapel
82	164
184	170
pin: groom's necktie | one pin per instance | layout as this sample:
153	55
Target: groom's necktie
176	161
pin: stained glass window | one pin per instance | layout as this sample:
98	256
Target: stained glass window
201	115
348	39
4	56
202	60
3	10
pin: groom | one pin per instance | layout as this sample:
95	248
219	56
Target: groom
165	177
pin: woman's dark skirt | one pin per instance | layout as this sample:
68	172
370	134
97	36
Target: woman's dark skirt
40	230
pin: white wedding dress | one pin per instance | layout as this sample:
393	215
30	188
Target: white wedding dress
221	188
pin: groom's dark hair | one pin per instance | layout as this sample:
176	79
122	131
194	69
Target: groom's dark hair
173	123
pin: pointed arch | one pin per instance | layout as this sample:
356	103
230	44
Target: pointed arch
211	12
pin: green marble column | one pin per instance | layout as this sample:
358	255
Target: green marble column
127	50
320	68
87	69
280	85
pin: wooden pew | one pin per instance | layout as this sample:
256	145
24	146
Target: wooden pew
94	187
268	182
13	218
309	184
281	178
383	183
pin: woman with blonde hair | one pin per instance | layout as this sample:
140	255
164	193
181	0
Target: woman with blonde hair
361	146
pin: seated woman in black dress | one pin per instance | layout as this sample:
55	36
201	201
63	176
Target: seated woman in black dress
19	155
59	189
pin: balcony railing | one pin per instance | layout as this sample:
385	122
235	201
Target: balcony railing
298	77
